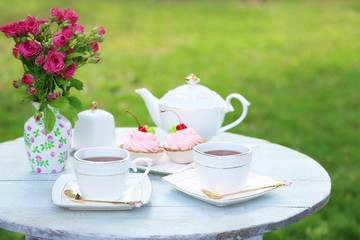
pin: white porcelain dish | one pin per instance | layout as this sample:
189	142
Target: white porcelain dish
187	182
68	181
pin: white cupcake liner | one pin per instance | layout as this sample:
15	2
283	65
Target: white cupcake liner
155	157
180	156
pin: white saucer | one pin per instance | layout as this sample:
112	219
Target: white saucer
165	166
68	181
187	182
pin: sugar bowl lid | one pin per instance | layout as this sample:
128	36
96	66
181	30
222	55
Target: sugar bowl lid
95	128
192	96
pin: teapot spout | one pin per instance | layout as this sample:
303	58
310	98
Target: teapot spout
152	104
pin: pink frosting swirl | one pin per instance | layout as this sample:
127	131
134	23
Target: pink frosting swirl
142	142
183	139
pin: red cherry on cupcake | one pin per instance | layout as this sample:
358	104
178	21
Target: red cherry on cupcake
181	126
140	128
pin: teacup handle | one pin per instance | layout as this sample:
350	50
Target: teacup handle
133	167
229	108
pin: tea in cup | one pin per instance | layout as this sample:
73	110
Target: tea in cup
222	167
102	173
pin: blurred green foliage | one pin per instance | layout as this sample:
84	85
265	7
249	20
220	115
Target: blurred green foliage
297	62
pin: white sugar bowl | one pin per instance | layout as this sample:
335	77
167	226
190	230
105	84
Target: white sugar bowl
95	128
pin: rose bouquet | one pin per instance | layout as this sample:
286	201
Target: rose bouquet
50	52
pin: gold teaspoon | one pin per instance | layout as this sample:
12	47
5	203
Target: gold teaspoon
219	196
76	197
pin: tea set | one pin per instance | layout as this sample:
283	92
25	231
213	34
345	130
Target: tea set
220	169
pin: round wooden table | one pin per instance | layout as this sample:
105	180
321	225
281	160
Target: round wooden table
26	207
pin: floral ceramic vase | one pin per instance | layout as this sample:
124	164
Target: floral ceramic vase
47	153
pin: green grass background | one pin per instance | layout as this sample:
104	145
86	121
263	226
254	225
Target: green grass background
297	62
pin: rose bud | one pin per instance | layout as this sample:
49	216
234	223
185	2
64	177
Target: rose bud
94	47
94	60
39	61
58	94
15	84
51	96
16	52
78	29
32	91
101	30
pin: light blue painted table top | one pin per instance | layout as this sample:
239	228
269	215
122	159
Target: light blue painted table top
26	207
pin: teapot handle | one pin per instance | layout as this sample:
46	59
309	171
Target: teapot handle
228	108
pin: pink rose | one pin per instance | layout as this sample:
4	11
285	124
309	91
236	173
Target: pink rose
9	29
42	21
16	52
60	40
50	138
38	170
57	14
78	29
33	25
27	79
68	72
15	84
101	30
38	157
22	28
52	154
53	171
51	96
32	91
67	32
39	61
95	47
29	49
54	62
71	15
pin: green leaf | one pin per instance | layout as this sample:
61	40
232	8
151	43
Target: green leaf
49	120
173	129
149	129
76	84
42	106
70	113
58	102
73	55
75	103
68	62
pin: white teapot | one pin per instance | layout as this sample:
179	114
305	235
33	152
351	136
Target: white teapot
197	106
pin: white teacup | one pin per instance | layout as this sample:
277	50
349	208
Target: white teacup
222	174
100	178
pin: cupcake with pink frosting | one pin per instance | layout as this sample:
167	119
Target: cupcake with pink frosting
143	143
180	143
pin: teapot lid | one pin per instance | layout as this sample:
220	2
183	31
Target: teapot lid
192	96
